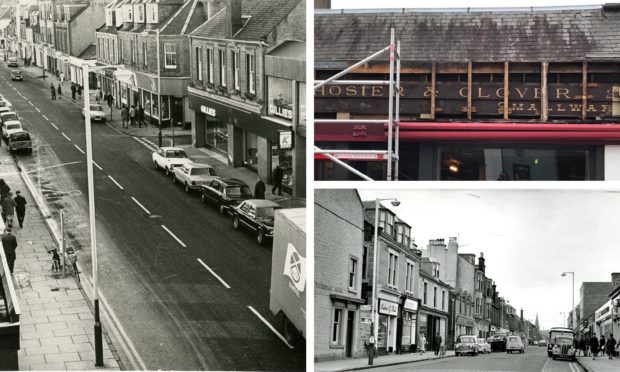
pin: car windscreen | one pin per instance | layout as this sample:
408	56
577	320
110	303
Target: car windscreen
8	117
468	340
237	191
96	108
563	340
513	339
13	126
20	137
3	103
203	172
176	154
265	213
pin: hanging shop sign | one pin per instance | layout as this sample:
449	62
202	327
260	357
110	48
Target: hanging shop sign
285	139
411	305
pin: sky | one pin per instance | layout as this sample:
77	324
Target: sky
358	4
529	237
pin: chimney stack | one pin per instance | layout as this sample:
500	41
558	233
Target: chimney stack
233	17
521	314
481	265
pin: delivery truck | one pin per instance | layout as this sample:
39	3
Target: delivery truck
288	272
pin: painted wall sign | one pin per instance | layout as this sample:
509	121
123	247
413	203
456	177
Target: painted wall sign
388	307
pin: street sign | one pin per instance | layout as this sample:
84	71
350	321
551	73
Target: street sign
286	139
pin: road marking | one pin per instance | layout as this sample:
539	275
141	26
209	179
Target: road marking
79	149
31	104
140	205
97	165
573	367
174	236
55	127
116	183
270	327
214	274
64	135
45	117
36	108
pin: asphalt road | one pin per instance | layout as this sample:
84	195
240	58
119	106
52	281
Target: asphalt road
154	242
533	360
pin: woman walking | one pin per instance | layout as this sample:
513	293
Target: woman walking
594	346
59	91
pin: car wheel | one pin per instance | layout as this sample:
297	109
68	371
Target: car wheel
222	209
475	352
187	189
260	237
236	222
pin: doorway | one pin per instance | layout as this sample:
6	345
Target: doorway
349	339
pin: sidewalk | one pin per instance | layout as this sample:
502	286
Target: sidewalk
382	361
56	322
601	364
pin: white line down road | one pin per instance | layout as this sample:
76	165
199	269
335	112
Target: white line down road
213	273
141	206
97	165
64	135
270	327
116	183
79	149
55	127
174	236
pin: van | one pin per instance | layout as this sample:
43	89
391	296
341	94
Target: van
20	141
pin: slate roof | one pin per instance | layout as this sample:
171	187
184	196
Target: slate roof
197	16
265	15
108	29
483	35
89	53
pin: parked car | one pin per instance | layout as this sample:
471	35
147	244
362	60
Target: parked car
5	105
16	75
12	62
498	343
11	126
192	175
466	344
542	342
8	116
535	343
96	113
167	158
256	215
483	345
20	141
514	343
225	193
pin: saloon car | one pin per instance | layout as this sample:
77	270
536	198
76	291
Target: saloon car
498	343
225	193
8	116
5	106
11	126
20	141
192	175
256	215
12	62
96	113
483	345
167	158
514	343
16	75
466	344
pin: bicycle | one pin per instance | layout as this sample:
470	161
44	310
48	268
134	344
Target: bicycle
70	260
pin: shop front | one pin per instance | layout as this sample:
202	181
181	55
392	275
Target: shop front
408	335
465	325
240	133
603	320
432	324
388	326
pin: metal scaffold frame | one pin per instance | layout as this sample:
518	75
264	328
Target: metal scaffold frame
393	120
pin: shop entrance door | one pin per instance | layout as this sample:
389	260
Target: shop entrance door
349	339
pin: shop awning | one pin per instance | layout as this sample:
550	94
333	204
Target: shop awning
125	76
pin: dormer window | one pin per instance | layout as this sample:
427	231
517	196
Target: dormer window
127	13
386	221
151	13
67	14
139	13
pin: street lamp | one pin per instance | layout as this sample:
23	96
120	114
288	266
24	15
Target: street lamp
91	206
573	318
375	301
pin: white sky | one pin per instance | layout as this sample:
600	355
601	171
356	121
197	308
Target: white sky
529	237
358	4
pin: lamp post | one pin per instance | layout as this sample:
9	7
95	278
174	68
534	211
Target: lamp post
375	301
573	319
91	207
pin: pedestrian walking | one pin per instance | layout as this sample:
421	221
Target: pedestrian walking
110	100
98	95
610	346
259	189
53	91
594	346
278	174
59	91
8	209
62	77
601	345
582	346
9	243
124	116
132	115
141	116
437	343
422	346
79	91
4	190
73	90
20	208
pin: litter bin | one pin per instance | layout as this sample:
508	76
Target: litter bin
9	319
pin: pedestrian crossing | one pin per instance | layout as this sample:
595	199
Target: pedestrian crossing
146	143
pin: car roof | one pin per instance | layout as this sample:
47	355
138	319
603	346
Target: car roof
262	203
232	181
19	132
171	149
197	165
8	113
16	70
13	122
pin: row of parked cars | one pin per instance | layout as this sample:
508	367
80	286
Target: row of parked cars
14	135
230	196
472	345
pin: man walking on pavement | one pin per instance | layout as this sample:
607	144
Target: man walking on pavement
53	91
73	90
594	346
109	99
141	116
259	189
8	209
124	116
278	174
611	345
437	344
59	91
20	208
132	115
9	242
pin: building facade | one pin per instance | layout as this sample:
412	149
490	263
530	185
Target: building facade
510	98
434	308
592	295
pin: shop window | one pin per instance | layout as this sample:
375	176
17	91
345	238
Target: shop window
434	296
155	105
337	327
251	71
235	69
393	269
250	145
280	97
222	55
443	300
352	274
216	135
364	263
113	51
198	53
170	55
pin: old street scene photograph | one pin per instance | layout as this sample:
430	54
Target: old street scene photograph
152	185
466	280
466	90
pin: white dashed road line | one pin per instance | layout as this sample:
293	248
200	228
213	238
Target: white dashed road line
174	236
45	117
64	135
97	165
79	149
36	108
214	274
116	183
270	327
55	127
31	104
140	205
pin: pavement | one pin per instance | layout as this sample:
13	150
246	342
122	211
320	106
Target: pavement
601	364
181	137
382	361
57	322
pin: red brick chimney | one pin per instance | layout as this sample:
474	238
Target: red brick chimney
233	17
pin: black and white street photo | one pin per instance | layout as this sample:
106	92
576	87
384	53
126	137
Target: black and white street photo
464	279
158	148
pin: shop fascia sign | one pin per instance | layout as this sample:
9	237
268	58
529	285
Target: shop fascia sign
207	110
388	307
411	305
281	109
